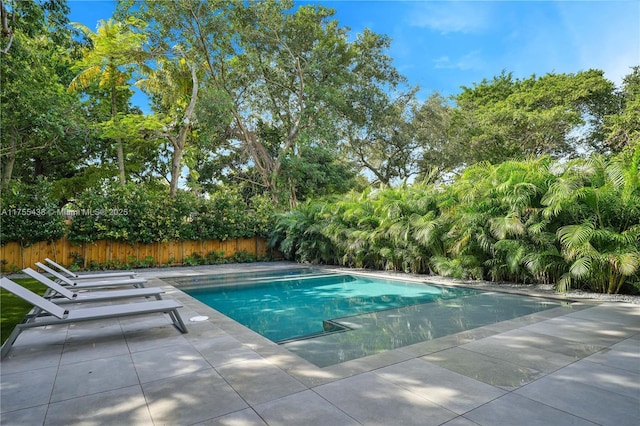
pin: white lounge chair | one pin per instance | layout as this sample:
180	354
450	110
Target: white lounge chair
61	295
60	315
136	282
105	275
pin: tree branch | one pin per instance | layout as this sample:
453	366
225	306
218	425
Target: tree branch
6	30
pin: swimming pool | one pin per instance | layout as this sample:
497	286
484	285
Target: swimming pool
328	318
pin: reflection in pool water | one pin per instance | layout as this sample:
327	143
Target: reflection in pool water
332	318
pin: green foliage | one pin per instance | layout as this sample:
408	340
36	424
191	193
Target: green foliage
112	54
288	101
28	214
602	242
278	83
375	229
11	269
623	128
315	172
132	213
505	118
575	224
42	125
144	214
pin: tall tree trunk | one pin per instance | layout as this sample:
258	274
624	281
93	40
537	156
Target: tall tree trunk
176	162
119	147
120	154
7	169
180	142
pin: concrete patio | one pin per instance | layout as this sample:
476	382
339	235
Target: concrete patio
571	365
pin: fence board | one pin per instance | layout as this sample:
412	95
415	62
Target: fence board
15	257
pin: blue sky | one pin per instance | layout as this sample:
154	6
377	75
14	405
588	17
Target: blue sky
443	45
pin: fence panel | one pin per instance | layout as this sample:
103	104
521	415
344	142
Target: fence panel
14	257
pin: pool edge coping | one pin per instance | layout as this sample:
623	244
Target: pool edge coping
312	375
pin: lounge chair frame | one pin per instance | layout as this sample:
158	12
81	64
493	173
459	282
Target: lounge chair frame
136	282
105	275
60	315
59	294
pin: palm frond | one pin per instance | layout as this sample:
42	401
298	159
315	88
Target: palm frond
85	78
575	236
581	267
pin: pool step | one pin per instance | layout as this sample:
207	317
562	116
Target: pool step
328	327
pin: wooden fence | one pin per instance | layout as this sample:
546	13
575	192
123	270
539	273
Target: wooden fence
14	256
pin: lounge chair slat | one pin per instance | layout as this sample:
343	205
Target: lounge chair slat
91	284
110	311
106	275
99	296
31	297
92	296
63	316
49	283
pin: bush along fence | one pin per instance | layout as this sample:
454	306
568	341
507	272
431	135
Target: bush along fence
114	226
109	254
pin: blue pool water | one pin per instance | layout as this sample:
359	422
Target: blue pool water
332	318
299	306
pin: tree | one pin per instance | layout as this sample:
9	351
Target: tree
31	18
431	123
601	241
380	137
623	129
284	76
42	126
557	114
114	50
317	172
30	214
174	86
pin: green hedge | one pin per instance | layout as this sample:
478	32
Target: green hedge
575	224
28	214
142	214
133	213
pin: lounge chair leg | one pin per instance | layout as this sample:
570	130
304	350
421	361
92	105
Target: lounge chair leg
177	321
6	346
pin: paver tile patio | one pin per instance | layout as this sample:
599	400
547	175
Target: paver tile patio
490	370
123	406
624	355
259	381
583	400
303	408
372	400
94	376
191	398
246	417
168	361
27	416
568	365
26	389
501	412
444	387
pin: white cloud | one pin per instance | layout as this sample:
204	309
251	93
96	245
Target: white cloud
606	38
471	61
452	17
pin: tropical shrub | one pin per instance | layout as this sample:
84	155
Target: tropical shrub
378	229
574	224
602	241
30	214
496	222
144	214
131	213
